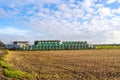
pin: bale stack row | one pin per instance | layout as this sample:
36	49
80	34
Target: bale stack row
57	45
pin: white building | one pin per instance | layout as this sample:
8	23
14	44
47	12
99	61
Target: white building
17	45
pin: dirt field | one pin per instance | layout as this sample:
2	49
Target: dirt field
68	64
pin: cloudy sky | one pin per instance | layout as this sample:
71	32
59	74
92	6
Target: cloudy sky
95	21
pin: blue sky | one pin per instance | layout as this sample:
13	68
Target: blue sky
95	21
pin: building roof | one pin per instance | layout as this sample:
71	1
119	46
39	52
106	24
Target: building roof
21	42
47	41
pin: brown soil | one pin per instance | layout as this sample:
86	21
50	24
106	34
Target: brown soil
68	64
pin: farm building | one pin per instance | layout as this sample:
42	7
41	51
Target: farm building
21	43
17	45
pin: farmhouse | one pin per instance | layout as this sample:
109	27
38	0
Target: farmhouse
21	43
17	45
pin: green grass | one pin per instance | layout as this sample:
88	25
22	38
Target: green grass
108	47
5	65
14	73
4	56
3	62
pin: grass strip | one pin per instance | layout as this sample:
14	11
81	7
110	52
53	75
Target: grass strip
14	73
4	56
108	47
4	65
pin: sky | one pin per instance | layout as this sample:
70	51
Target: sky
95	21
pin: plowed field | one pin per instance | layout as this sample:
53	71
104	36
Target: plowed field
68	64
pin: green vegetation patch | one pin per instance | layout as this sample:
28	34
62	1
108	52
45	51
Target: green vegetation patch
108	47
14	73
4	65
4	56
3	62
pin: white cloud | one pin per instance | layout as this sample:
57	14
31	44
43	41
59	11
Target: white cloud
50	1
99	6
78	13
96	28
10	34
104	12
71	1
87	4
111	1
93	30
83	21
2	12
118	11
64	8
13	31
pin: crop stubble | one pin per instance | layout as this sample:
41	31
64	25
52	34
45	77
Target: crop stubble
68	64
